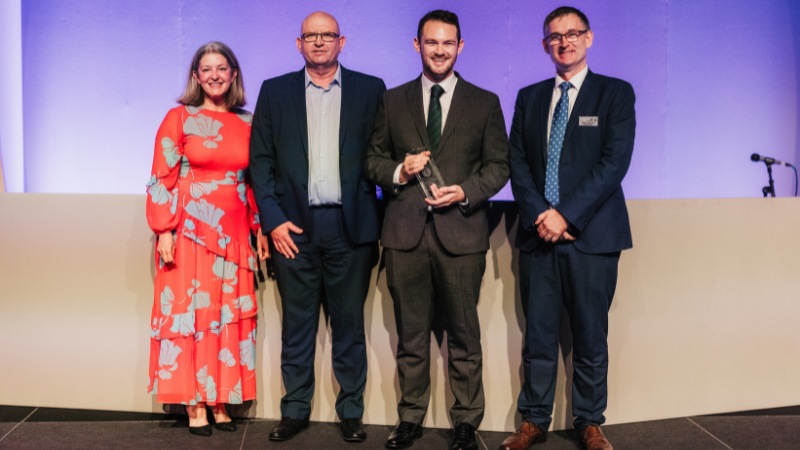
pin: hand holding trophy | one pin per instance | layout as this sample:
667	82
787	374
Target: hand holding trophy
428	176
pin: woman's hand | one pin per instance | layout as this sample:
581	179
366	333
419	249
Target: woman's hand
166	247
262	246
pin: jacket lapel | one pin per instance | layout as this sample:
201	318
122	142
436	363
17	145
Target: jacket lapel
348	93
545	97
583	96
457	106
414	97
299	95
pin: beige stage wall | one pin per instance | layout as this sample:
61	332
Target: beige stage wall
705	319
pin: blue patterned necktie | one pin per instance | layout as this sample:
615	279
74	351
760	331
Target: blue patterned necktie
557	129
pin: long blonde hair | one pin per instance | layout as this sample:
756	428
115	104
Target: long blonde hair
193	95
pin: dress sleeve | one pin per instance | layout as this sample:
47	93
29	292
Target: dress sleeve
162	189
252	210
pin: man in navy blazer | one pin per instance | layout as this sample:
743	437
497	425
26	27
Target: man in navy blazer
571	142
310	132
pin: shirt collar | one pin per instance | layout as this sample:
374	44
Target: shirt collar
576	81
336	78
447	84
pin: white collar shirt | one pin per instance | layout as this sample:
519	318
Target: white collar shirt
449	85
577	82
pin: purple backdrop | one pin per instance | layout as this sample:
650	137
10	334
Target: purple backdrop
716	80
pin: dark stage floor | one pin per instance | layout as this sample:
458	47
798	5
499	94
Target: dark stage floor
53	428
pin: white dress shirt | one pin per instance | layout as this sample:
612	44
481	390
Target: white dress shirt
449	85
577	82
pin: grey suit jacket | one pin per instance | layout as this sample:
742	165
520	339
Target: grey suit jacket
473	153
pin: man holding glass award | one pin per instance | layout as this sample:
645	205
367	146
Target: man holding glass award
439	151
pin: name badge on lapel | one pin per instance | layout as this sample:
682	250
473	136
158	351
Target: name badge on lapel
587	121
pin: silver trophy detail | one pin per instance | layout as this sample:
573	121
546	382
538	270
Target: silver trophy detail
429	175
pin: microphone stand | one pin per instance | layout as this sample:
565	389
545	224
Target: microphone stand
769	190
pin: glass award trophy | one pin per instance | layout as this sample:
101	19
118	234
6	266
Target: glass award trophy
428	176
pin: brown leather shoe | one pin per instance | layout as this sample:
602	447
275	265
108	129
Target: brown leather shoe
526	435
594	439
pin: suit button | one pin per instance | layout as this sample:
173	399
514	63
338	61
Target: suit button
304	187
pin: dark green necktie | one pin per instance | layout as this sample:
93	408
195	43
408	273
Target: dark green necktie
435	119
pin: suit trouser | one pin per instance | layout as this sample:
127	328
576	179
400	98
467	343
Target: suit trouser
328	266
417	279
552	277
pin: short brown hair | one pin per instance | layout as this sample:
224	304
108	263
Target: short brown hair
565	11
193	95
439	15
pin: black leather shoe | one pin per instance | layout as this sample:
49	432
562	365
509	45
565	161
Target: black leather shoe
225	426
353	430
204	431
287	428
464	437
403	436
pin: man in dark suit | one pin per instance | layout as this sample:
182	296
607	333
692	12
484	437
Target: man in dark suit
310	132
570	147
436	247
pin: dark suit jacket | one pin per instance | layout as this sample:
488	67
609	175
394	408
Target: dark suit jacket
279	154
594	161
473	153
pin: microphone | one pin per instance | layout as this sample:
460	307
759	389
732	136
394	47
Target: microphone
755	157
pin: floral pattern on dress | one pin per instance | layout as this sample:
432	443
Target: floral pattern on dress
202	338
207	127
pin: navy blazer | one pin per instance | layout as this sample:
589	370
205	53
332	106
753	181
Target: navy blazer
594	160
279	154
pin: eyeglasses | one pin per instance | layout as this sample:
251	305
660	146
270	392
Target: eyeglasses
312	37
555	38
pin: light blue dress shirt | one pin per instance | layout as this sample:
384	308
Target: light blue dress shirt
323	108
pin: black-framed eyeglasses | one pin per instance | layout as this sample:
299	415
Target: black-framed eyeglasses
312	37
571	35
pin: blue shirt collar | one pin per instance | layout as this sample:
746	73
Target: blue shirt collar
337	79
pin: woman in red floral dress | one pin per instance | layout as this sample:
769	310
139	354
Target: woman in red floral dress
202	343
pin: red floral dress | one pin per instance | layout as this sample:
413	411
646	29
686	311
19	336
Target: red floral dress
203	329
